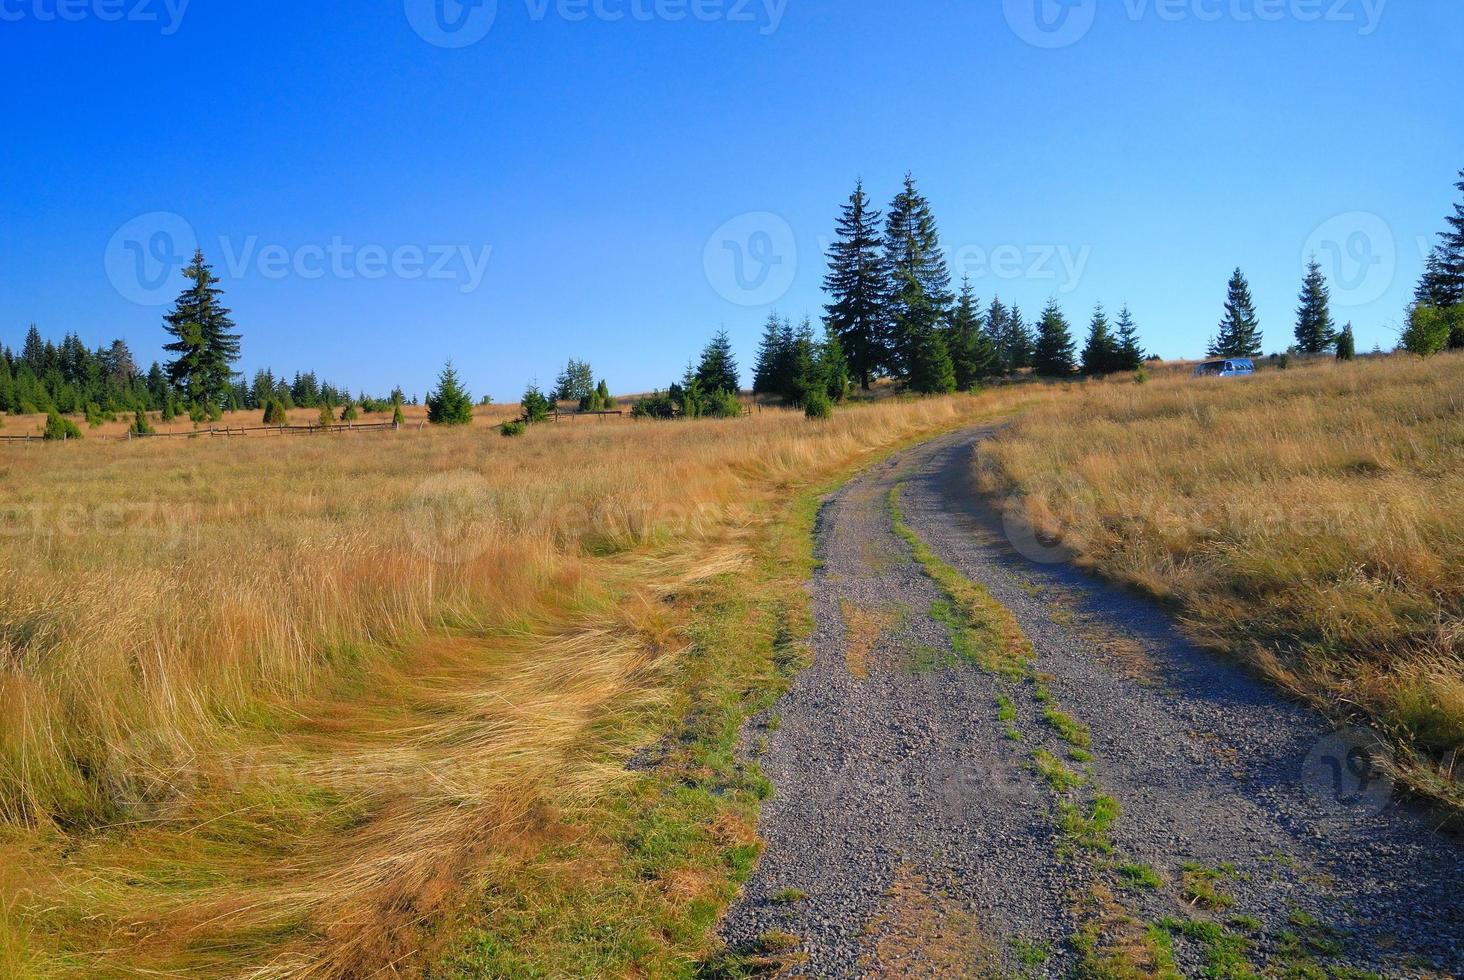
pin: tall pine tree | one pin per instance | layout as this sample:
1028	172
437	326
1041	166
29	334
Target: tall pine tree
919	280
973	354
770	376
204	343
1054	354
1240	330
1130	352
1021	345
449	404
1100	354
858	286
1314	331
1451	254
718	368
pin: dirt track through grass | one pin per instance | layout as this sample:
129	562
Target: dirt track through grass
1092	810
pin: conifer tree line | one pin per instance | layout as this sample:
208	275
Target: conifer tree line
1436	315
1434	321
893	312
197	380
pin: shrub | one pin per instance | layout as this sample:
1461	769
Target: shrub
653	406
1141	376
59	428
197	413
817	405
725	405
1429	329
397	418
537	405
140	425
513	427
326	416
349	413
274	413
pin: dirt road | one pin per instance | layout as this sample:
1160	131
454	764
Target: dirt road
1115	801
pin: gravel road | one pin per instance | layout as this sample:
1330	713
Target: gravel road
912	835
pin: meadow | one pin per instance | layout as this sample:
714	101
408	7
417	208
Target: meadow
323	707
1310	521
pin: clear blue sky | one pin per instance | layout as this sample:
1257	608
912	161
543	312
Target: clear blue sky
596	158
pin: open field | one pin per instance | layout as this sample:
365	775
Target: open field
1311	520
269	705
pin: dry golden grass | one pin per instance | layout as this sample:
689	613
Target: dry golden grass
265	703
1312	519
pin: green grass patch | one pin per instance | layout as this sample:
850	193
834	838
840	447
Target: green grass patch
983	631
1139	876
1226	955
1201	886
790	896
1089	829
1068	728
1029	953
1051	768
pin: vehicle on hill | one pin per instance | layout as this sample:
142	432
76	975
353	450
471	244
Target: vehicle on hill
1235	367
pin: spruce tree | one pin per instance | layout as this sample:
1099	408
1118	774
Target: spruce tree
204	343
1054	355
1314	331
973	354
1021	345
833	367
718	368
770	376
1346	344
1430	289
450	403
8	401
1101	353
1240	330
996	329
1130	352
398	419
802	366
140	425
858	286
920	283
931	370
1450	274
536	404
